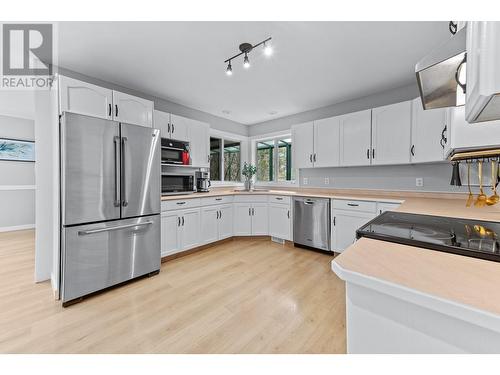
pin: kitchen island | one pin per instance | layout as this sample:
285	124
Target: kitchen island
406	299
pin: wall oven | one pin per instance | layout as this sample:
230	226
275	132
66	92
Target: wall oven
173	152
178	183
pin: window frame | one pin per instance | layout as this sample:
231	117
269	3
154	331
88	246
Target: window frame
275	138
229	138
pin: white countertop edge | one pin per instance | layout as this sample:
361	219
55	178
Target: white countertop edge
451	308
286	193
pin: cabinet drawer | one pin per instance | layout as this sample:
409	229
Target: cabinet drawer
178	204
280	199
250	198
354	205
208	201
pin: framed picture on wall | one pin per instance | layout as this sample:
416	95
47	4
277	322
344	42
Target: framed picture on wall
17	150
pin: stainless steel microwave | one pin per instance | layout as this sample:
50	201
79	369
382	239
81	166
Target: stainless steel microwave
178	183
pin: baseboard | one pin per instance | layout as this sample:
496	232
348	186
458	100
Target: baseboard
194	250
212	244
17	227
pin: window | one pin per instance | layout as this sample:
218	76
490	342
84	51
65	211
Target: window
274	159
225	156
232	161
215	158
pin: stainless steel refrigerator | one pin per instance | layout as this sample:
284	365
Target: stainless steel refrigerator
110	204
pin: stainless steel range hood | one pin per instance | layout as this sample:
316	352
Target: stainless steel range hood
438	73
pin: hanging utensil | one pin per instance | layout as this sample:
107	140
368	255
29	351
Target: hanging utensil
481	198
493	199
470	198
455	175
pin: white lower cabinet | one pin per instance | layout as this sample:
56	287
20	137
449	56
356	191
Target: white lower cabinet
345	221
180	230
251	219
280	219
386	206
216	223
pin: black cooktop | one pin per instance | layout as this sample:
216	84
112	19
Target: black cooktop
473	238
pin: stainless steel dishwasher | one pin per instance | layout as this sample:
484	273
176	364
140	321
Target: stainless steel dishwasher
311	222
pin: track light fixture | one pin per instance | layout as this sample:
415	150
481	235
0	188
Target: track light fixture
245	49
246	62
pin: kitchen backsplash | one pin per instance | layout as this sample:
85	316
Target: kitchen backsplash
436	178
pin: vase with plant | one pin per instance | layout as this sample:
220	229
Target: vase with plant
248	171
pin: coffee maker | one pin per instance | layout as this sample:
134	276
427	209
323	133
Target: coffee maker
202	181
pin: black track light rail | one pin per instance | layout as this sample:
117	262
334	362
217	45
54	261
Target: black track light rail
247	51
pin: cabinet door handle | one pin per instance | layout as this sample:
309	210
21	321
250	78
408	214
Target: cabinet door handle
116	110
373	153
334	221
168	129
368	153
220	214
279	198
311	158
412	150
109	109
181	203
216	215
353	204
249	211
314	158
288	214
253	211
124	176
443	139
183	221
218	199
178	221
173	129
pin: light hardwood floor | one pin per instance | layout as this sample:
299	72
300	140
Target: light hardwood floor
242	296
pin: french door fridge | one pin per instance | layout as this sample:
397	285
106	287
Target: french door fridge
110	204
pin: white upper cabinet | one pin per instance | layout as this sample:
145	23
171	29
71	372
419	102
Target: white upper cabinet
464	136
161	121
84	98
132	110
303	145
199	139
428	133
179	127
483	72
326	142
391	129
355	138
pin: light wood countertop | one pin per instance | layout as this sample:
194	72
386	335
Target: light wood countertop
468	281
460	279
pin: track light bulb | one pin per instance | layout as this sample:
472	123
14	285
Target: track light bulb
246	62
229	70
268	50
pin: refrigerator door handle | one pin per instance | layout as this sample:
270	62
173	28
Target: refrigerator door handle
116	139
118	227
124	175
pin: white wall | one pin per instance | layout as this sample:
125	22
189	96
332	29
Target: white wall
17	179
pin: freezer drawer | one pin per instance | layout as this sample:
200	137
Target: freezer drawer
311	222
97	256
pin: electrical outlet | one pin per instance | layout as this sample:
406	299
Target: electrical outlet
327	181
419	182
305	181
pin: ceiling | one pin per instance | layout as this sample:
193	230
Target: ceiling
314	64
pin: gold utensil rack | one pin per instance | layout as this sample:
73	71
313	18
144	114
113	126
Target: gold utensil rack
476	155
